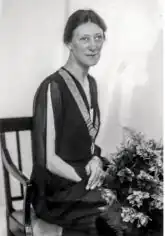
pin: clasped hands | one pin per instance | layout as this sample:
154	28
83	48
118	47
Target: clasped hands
94	170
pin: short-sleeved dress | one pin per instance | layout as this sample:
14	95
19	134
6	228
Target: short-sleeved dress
58	200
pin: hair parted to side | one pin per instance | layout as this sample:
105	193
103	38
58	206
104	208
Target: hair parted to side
80	17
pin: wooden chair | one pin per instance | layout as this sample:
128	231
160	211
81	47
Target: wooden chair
14	226
19	222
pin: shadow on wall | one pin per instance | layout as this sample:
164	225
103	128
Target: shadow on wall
112	132
147	100
137	98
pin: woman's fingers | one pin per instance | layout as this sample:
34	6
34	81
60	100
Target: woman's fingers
87	169
92	178
99	181
94	185
96	179
94	169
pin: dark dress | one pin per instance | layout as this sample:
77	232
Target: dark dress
58	200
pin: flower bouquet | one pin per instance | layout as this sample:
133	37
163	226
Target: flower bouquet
137	170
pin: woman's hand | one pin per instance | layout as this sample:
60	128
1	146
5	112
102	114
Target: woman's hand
97	175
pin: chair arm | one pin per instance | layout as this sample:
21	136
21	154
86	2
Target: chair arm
12	169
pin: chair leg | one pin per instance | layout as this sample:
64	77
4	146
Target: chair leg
9	233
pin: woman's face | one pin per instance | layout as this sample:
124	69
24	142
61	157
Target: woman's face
86	44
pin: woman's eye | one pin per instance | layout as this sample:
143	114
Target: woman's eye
99	38
84	39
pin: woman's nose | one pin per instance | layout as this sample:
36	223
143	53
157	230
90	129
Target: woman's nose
92	45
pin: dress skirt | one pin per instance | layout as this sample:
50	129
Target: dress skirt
69	205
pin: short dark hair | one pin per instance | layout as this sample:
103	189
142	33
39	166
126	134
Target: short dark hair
80	17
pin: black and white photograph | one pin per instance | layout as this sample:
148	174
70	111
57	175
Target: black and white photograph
81	118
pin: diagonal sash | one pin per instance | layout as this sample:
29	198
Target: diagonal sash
92	129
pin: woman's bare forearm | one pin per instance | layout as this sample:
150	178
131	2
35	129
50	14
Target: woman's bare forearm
54	163
59	167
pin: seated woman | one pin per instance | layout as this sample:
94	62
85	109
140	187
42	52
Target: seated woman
68	168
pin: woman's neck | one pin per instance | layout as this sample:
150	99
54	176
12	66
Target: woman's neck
77	70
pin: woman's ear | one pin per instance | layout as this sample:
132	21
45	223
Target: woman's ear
69	46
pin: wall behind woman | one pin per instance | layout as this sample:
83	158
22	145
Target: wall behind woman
30	49
129	73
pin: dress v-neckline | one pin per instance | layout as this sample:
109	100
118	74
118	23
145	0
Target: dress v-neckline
82	91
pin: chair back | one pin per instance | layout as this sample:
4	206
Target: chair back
14	126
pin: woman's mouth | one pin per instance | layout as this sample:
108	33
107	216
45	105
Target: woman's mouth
92	55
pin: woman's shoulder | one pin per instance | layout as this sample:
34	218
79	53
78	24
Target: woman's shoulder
49	84
93	82
92	79
53	79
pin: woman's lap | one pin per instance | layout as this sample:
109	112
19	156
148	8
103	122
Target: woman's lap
75	209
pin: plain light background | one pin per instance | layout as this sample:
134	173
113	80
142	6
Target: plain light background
129	74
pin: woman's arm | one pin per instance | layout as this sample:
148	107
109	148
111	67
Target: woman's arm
54	163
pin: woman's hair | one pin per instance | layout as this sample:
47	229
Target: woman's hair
80	17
